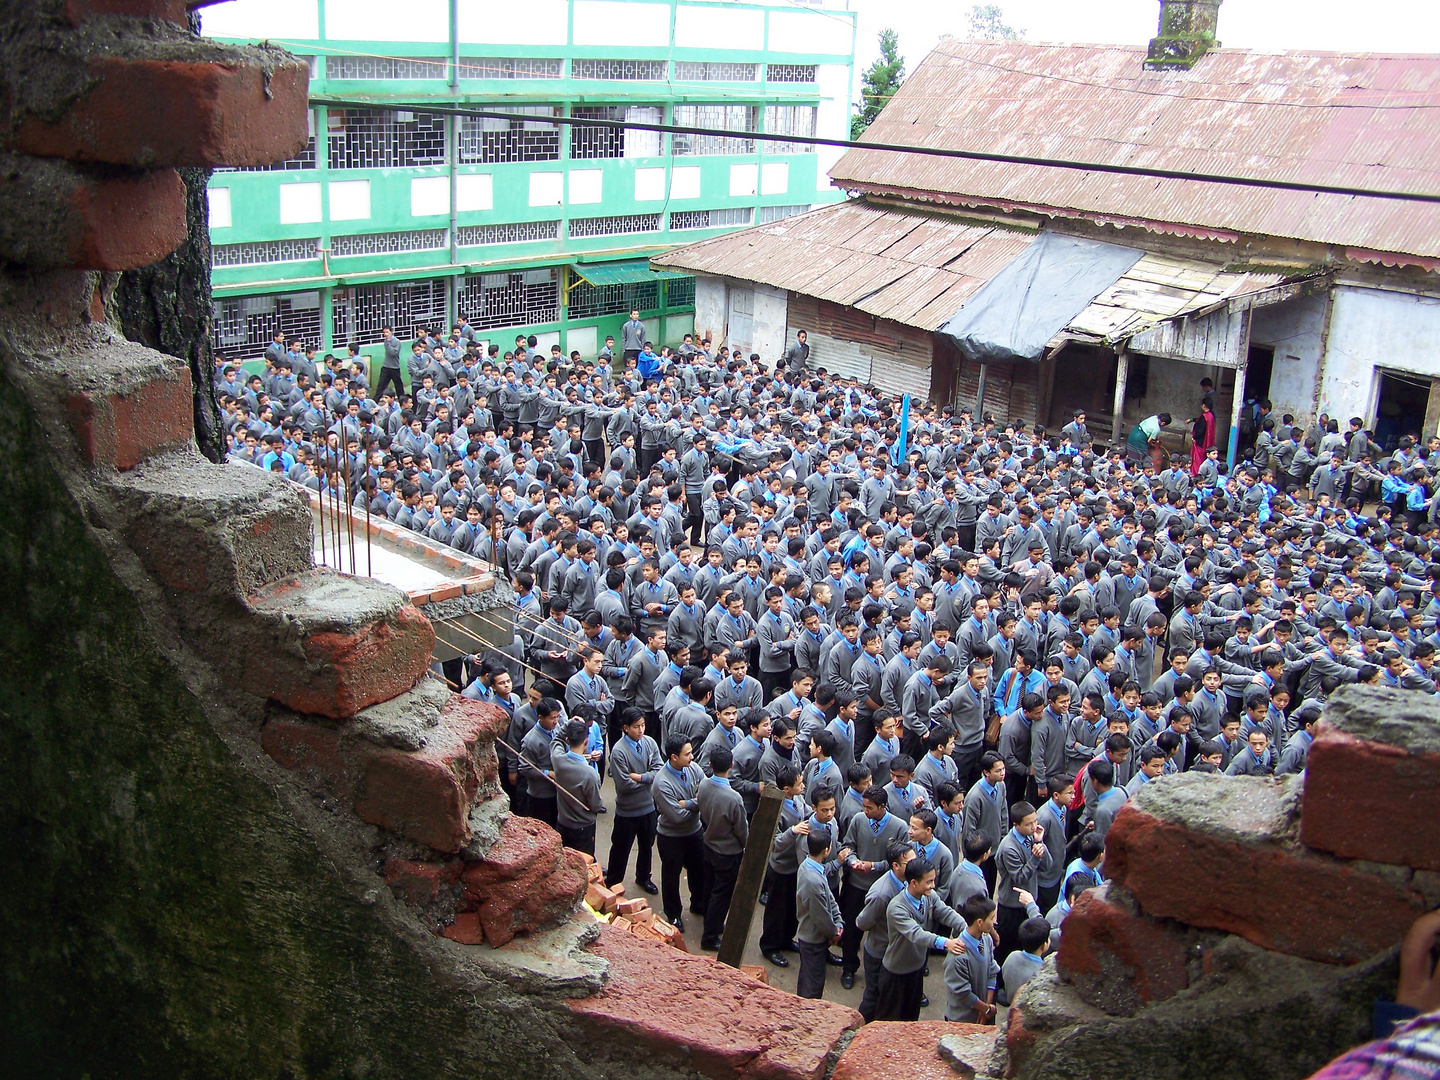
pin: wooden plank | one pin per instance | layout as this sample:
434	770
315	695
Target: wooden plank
746	896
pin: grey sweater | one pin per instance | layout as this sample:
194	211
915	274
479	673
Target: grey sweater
633	798
579	778
675	800
723	812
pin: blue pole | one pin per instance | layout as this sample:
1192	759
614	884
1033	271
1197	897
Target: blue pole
904	429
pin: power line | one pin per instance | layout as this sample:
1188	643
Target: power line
925	151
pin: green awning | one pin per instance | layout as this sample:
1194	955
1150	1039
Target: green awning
623	273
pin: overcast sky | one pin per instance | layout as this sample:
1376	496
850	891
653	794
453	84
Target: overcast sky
1269	25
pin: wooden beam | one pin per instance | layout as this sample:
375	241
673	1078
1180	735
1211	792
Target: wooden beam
751	877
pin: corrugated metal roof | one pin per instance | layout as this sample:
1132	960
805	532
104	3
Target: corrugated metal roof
914	267
1363	120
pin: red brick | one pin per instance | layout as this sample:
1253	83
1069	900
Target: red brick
707	1018
445	592
1276	895
424	795
466	929
1370	800
526	882
124	428
756	972
153	113
419	883
889	1049
78	11
1019	1041
1119	961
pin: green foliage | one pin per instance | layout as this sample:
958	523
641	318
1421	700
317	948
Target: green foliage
879	82
987	23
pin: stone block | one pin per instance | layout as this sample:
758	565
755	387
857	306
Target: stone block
419	883
331	645
151	410
526	883
1372	779
465	929
704	1018
1220	853
891	1048
757	972
968	1054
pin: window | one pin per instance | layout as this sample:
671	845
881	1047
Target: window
680	292
498	301
388	243
244	325
486	140
588	142
591	301
385	139
726	117
790	120
264	251
360	312
614	226
620	70
693	71
791	73
304	160
710	219
386	67
741	324
510	67
516	233
777	213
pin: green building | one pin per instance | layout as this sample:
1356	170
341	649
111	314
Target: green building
402	217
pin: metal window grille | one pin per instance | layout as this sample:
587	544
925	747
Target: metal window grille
245	325
739	118
488	140
619	70
510	67
304	160
790	120
791	73
518	232
680	293
614	226
361	311
710	219
776	213
500	301
385	139
264	251
708	71
588	142
388	243
591	301
386	67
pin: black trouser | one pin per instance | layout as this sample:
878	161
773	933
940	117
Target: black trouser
623	833
648	455
1015	786
874	970
516	793
694	515
965	537
595	451
774	683
814	957
679	853
543	808
967	764
724	868
781	921
988	869
900	995
912	745
1046	898
1007	921
579	839
389	375
852	899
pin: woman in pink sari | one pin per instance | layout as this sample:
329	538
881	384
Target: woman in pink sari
1202	437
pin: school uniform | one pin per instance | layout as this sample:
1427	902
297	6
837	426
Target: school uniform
679	837
1019	968
726	829
970	976
1018	868
988	810
818	922
778	932
868	841
877	758
872	921
912	925
635	813
576	816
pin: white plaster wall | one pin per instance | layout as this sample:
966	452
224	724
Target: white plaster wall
710	303
1173	386
771	310
1295	330
1370	328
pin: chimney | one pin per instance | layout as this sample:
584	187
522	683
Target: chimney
1187	32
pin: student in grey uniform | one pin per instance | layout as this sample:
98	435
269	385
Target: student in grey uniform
822	776
749	752
1297	747
576	812
986	808
634	763
722	811
778	933
868	838
969	879
883	749
1021	965
537	765
817	916
929	848
971	974
678	830
936	767
1108	798
871	920
913	919
779	754
1021	857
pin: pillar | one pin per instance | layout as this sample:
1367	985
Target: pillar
1122	374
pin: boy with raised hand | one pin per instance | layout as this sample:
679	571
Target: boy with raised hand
1020	858
912	918
868	838
971	973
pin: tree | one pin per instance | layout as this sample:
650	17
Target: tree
879	83
987	22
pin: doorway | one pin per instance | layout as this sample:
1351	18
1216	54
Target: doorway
1400	408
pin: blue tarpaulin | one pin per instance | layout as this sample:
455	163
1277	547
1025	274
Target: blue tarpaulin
1017	312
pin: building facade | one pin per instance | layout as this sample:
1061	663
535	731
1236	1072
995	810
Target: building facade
400	216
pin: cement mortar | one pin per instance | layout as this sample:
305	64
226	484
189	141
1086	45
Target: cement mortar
1409	721
1245	809
404	722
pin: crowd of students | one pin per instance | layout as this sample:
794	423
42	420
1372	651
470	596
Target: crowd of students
956	650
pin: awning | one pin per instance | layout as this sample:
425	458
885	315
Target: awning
1021	309
622	273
